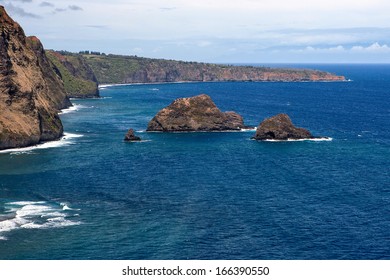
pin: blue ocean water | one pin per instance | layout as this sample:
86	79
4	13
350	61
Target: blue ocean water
208	195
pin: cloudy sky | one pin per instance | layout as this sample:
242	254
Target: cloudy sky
230	31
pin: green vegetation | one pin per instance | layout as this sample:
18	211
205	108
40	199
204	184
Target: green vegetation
112	69
78	70
78	79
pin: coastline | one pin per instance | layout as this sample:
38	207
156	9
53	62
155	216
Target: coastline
64	140
104	86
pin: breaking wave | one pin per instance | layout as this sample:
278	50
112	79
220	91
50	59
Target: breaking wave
73	108
35	215
67	139
300	140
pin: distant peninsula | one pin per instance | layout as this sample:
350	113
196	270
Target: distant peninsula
121	69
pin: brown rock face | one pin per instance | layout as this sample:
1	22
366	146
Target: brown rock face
280	127
198	113
130	136
30	92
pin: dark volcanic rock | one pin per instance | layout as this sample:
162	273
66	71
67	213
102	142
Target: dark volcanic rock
130	136
30	92
280	127
198	113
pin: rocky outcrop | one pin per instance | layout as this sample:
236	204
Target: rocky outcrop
280	127
198	113
79	79
31	94
131	137
119	69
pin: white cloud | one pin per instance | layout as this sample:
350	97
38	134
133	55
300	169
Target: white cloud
203	44
374	48
334	49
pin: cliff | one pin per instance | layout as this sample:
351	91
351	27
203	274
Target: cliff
131	69
79	79
31	94
198	113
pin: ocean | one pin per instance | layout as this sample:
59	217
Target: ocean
208	195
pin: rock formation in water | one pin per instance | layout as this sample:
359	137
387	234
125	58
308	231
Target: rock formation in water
198	113
280	127
79	79
131	137
31	94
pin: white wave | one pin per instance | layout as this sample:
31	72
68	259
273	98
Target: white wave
22	203
300	140
66	140
73	108
205	131
154	89
35	215
248	129
66	207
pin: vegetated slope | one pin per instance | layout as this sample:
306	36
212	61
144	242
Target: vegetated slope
79	79
31	94
132	69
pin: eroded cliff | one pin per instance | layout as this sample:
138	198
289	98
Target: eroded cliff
31	94
79	79
119	69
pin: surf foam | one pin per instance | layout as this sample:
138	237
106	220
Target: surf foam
35	215
66	140
73	108
300	140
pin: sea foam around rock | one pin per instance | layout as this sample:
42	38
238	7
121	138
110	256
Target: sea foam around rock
66	140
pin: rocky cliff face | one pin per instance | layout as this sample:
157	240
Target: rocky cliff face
198	113
79	79
280	127
130	69
30	92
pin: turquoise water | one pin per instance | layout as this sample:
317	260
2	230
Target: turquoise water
208	195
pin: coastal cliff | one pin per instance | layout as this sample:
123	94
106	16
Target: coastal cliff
31	94
117	69
79	79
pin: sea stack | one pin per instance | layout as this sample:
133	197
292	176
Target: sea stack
131	137
31	94
198	113
280	127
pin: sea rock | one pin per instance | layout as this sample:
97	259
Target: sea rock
130	136
198	113
31	94
280	127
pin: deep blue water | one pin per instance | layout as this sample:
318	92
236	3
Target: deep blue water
209	195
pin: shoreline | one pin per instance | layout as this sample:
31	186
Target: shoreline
104	86
65	140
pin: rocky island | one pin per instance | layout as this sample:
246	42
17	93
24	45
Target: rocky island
31	94
198	113
131	137
280	127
